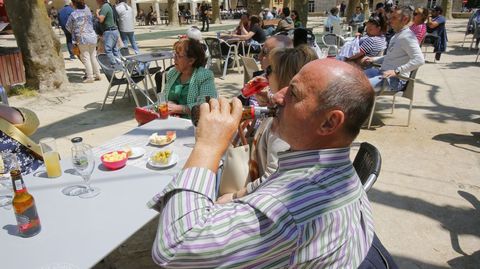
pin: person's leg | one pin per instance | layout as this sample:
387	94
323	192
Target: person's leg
116	50
208	23
375	77
110	42
85	58
133	42
93	59
124	38
203	24
68	36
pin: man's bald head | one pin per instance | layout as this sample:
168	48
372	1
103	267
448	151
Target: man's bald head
343	87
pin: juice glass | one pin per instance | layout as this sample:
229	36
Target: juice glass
162	105
51	157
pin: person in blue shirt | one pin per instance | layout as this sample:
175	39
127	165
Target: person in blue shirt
63	15
436	26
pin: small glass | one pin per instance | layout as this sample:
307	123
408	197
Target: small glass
84	163
8	162
51	157
162	105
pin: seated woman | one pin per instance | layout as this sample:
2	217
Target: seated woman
285	64
296	19
16	124
418	26
255	36
188	80
374	42
332	19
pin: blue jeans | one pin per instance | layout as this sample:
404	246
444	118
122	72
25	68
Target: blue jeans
129	36
110	39
68	36
375	76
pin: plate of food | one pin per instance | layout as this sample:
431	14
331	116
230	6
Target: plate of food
163	159
134	152
162	140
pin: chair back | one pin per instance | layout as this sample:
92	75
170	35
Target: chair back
409	87
104	63
337	28
367	163
3	95
124	51
333	40
249	67
213	45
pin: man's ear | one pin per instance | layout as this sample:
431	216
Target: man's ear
333	120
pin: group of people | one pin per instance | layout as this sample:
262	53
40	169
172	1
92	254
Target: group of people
85	28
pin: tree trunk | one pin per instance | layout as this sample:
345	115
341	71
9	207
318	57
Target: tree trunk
352	4
215	11
254	7
172	8
301	6
447	9
43	61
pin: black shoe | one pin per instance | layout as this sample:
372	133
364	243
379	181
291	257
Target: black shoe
437	56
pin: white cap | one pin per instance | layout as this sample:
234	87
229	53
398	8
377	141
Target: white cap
194	33
67	2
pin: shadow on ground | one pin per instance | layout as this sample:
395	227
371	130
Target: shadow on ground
457	220
461	141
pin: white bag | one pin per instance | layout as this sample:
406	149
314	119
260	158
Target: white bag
349	49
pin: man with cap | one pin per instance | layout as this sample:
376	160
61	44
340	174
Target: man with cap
436	28
63	15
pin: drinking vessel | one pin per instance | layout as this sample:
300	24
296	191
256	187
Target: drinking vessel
84	163
51	156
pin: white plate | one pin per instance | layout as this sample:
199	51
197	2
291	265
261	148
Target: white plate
137	152
161	144
172	162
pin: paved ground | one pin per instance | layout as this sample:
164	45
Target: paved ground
427	200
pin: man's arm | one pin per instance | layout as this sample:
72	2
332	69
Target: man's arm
194	232
410	45
101	13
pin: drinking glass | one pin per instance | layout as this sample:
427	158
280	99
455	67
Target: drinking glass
51	156
162	105
8	162
84	163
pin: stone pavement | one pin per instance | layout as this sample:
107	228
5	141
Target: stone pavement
426	201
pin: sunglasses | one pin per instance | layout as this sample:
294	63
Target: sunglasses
268	71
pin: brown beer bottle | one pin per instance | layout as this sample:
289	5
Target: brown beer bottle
24	207
248	113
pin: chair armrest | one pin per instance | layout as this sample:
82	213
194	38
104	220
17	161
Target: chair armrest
405	78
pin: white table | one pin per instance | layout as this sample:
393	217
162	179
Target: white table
78	233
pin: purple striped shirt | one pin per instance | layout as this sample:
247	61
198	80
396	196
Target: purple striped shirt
313	212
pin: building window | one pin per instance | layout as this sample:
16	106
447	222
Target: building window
311	6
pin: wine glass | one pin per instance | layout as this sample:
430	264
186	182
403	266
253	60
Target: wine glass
8	162
84	163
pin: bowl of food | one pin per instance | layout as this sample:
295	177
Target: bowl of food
162	159
115	159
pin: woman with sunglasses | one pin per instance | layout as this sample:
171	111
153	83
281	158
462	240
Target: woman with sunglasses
284	65
188	79
418	26
374	42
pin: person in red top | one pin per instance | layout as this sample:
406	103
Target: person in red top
418	26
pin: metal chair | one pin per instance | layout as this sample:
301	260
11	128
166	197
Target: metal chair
126	78
333	41
408	92
125	51
473	31
429	41
215	47
3	95
249	67
378	257
367	164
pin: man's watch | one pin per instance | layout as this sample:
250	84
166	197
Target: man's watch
397	72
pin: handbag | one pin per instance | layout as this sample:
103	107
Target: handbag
235	173
76	50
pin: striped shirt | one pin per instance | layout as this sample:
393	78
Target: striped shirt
311	213
420	31
372	46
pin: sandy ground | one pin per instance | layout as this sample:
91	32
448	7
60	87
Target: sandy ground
426	201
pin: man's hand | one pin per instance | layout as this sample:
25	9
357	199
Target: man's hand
366	60
218	123
389	74
224	199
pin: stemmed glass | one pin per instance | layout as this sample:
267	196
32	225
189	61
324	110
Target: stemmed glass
84	163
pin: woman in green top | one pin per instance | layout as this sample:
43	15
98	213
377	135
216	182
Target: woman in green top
296	19
188	80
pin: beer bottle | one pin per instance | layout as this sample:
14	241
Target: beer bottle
24	207
248	113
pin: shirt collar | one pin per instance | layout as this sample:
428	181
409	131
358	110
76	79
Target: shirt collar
324	157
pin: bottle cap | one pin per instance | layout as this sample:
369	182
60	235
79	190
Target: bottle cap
76	139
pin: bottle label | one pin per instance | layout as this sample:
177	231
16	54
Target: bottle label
28	219
18	185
